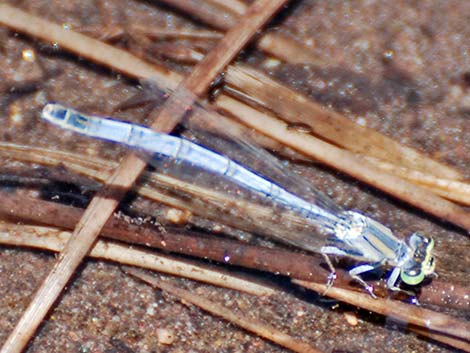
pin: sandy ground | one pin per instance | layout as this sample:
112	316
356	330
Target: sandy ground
403	69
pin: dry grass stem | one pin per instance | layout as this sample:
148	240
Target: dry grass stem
439	324
237	318
455	190
179	53
224	17
347	162
84	46
162	33
135	67
448	340
100	170
52	239
306	267
329	125
103	204
288	49
218	16
145	34
236	6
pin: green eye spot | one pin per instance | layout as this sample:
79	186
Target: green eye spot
428	266
431	245
412	277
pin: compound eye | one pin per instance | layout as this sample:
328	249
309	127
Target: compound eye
412	277
417	239
429	267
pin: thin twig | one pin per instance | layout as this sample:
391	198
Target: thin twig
155	32
179	53
236	6
203	201
448	340
450	189
381	151
246	322
331	126
102	205
54	240
27	209
409	314
278	261
218	16
224	17
116	31
348	162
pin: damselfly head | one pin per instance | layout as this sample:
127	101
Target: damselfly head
421	262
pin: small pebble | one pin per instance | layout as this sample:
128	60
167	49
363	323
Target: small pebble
15	114
28	55
351	318
271	63
73	336
165	336
177	216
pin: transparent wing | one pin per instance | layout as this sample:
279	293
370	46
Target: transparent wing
220	133
245	185
232	180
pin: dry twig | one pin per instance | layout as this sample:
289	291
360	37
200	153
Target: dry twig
347	162
253	87
441	325
450	189
327	124
54	240
306	267
224	17
248	323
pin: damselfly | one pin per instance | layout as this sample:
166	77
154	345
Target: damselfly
348	233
